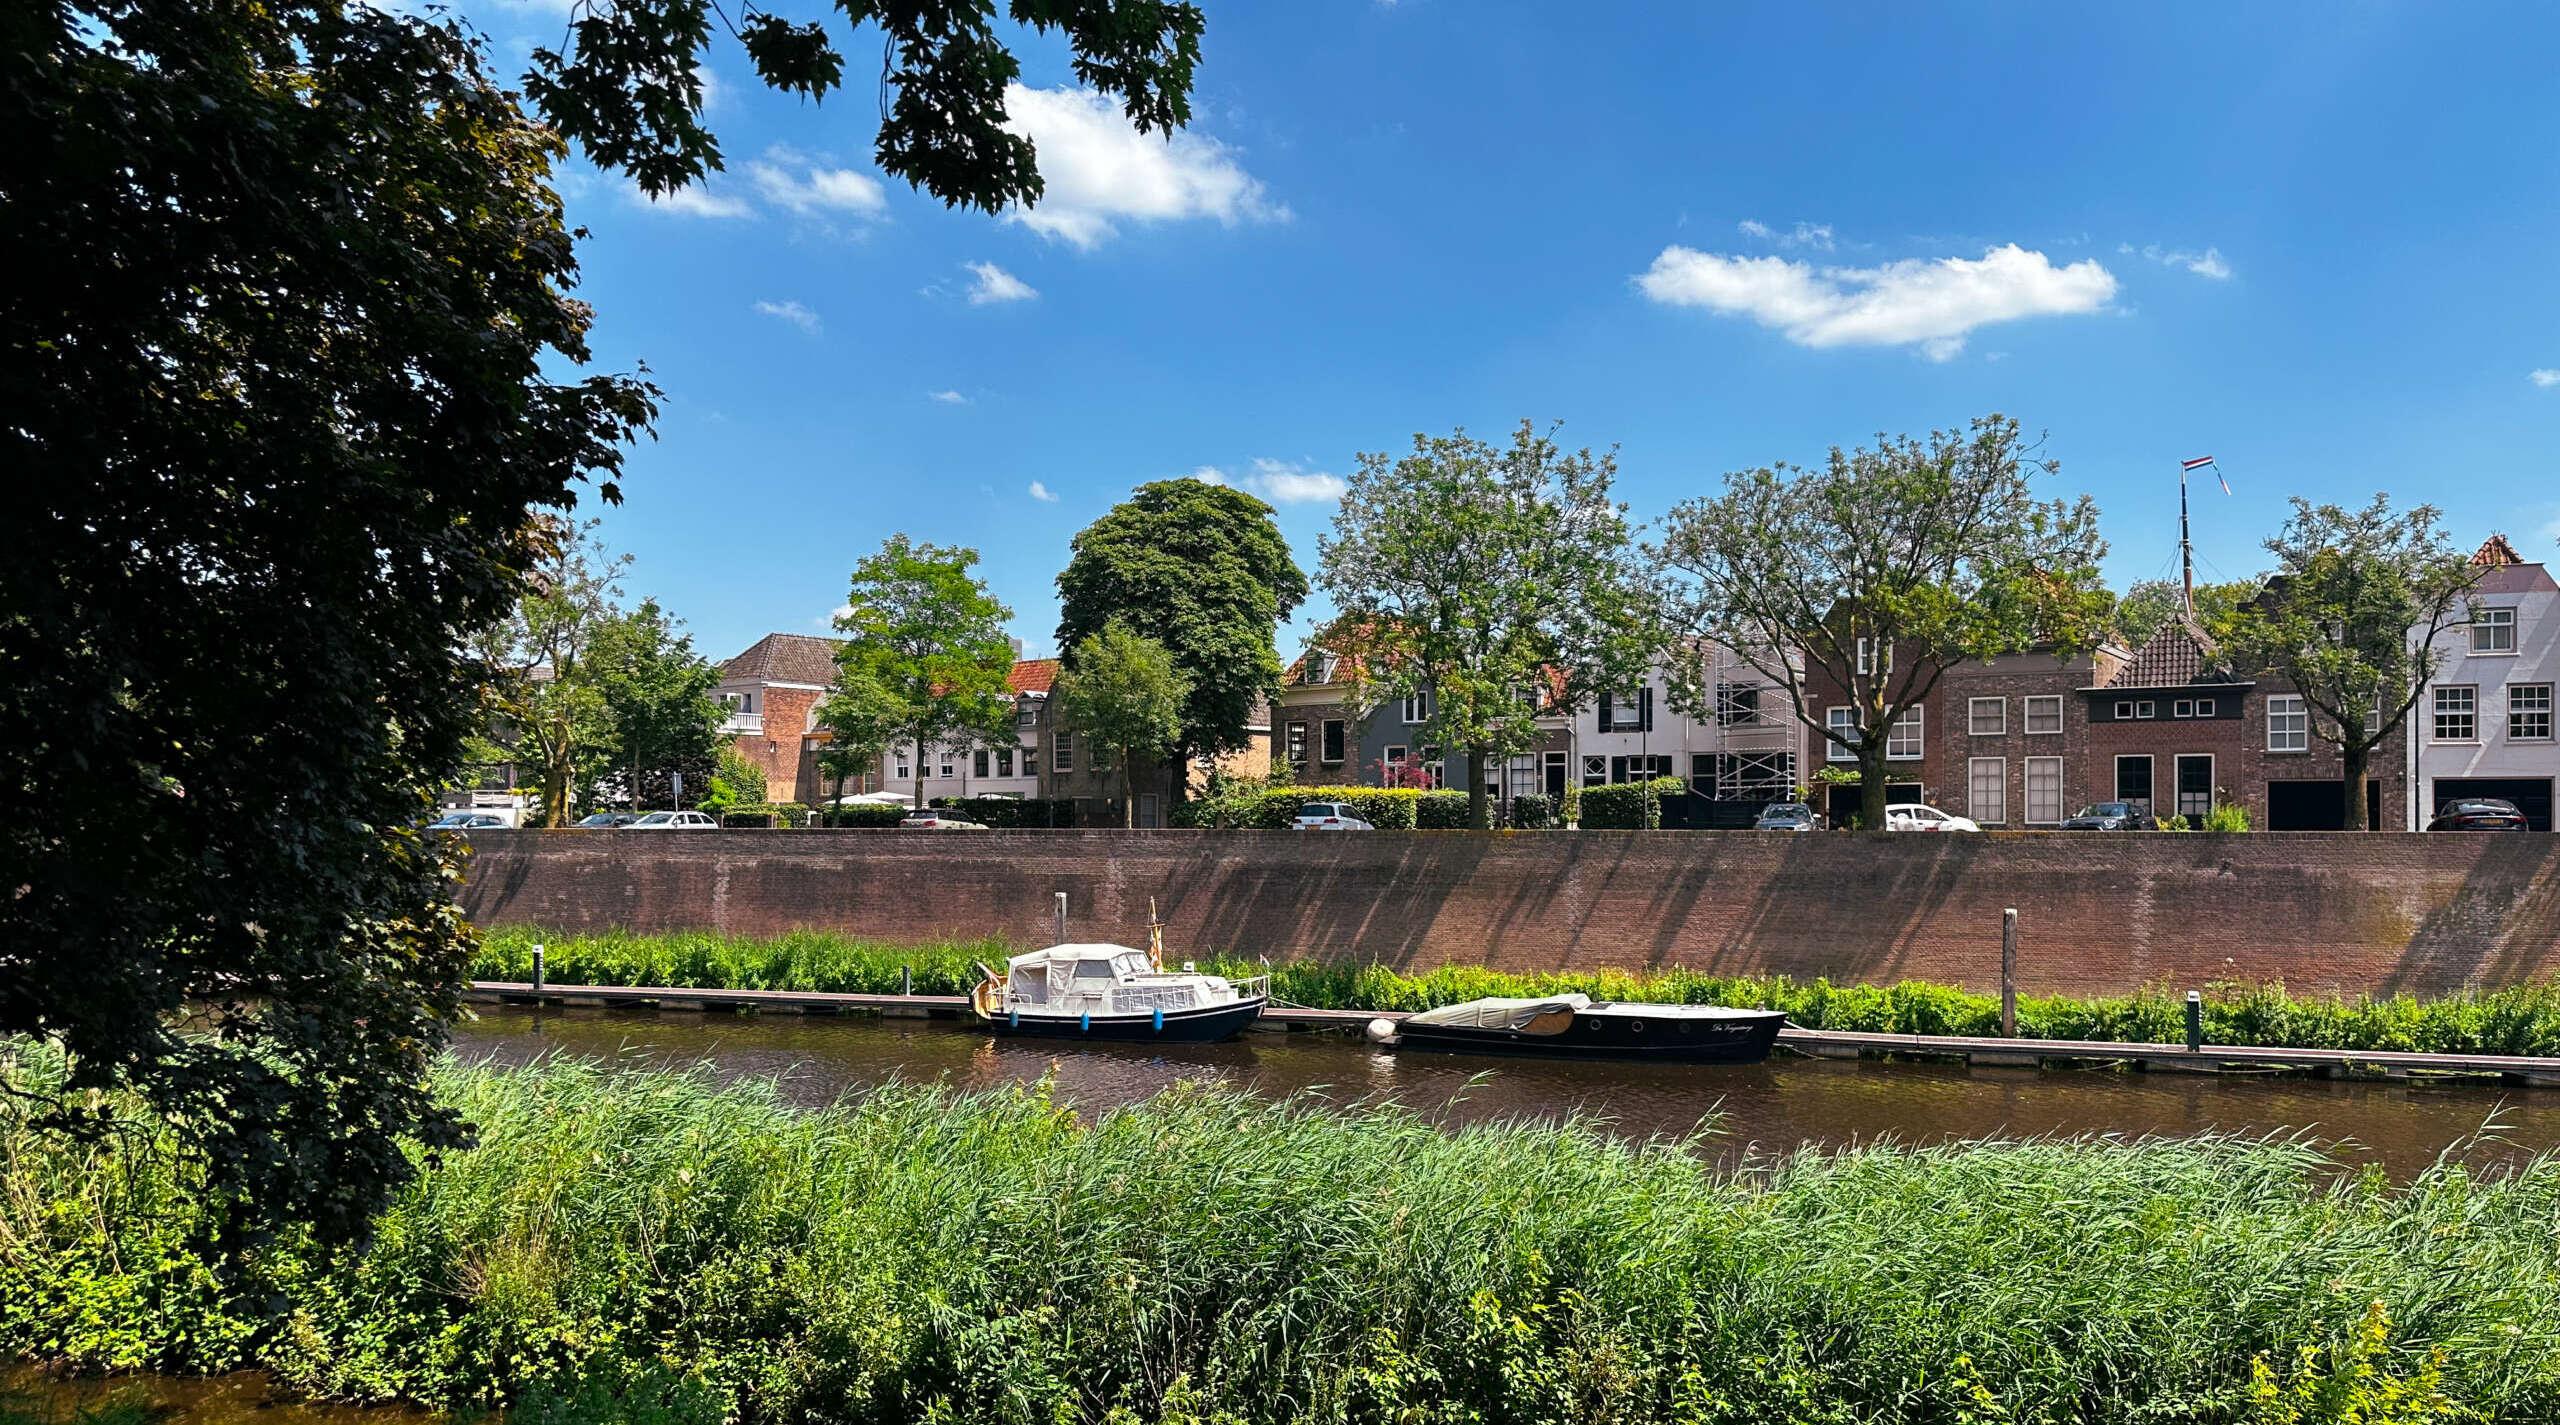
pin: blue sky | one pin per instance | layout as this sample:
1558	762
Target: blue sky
2319	242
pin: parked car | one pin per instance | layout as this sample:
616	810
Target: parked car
1328	816
1920	816
674	821
2110	816
608	820
2479	814
471	821
934	819
1787	816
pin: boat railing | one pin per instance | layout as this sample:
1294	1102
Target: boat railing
1252	986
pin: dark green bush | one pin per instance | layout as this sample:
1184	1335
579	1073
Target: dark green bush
747	818
1441	811
1536	811
1628	806
863	816
1013	812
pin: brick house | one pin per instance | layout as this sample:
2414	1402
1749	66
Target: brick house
2483	726
772	692
2001	740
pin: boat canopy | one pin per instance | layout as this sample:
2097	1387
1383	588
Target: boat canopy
1550	1015
1046	976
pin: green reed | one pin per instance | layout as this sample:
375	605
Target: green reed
2520	1020
651	1246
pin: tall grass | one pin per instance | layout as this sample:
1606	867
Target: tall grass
2520	1020
635	1245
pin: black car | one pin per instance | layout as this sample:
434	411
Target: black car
608	820
2110	816
2479	814
1787	816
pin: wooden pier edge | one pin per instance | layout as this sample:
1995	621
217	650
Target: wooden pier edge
1816	1043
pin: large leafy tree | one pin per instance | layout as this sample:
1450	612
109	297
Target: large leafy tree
1122	692
2152	602
926	657
545	708
1879	570
1203	570
2350	618
665	720
1490	582
291	356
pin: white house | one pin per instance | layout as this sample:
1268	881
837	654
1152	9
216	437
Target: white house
2483	727
1746	745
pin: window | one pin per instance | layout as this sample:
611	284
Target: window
1844	721
1026	714
1062	748
2288	725
2529	712
2204	707
2493	631
2195	785
1555	775
1395	756
1331	750
1987	717
1637	769
1595	771
1030	763
2144	709
1627	712
2044	716
902	771
1875	655
1737	703
1702	773
1004	761
2044	791
2185	707
2123	711
947	769
1987	790
978	763
2133	780
1902	740
2457	714
1417	708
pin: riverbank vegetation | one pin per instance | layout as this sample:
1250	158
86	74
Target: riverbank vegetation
2521	1020
643	1245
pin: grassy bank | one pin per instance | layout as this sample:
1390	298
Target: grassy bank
648	1246
2524	1020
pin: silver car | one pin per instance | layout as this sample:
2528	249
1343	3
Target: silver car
1328	816
674	821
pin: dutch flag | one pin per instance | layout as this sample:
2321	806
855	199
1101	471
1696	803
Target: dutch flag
2199	463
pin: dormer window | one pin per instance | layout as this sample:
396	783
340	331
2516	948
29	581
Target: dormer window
2493	631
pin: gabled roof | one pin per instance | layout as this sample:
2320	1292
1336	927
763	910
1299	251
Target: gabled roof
2178	654
2495	553
785	658
1032	675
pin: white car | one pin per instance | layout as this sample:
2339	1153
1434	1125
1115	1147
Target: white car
1919	816
674	821
471	821
933	819
1328	816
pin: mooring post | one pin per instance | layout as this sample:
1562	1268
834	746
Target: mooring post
537	971
906	979
2195	1022
2009	973
1062	918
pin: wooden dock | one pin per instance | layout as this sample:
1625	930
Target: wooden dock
1814	1043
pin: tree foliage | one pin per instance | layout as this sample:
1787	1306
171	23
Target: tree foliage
1497	582
291	357
665	720
626	82
1203	570
2152	602
926	660
1877	571
543	703
1121	691
2350	618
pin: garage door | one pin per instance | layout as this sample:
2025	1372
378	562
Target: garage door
2532	795
2318	806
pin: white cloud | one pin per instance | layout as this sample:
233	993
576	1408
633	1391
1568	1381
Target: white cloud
948	398
1210	475
792	312
994	284
2208	264
1043	493
695	200
1930	303
1100	171
789	179
1813	235
1283	483
2545	377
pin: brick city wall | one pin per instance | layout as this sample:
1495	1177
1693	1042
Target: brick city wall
2098	913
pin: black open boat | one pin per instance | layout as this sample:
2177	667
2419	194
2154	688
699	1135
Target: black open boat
1575	1026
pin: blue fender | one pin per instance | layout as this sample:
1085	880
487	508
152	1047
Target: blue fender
1159	1021
1085	1021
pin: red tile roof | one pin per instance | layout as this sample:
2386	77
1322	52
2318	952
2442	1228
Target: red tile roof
2177	654
1032	675
2495	553
806	658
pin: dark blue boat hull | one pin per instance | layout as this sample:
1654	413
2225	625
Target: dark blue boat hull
1608	1032
1183	1026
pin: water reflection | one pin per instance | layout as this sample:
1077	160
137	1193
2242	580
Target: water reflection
1774	1107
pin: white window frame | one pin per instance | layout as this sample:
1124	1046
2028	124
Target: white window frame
1994	810
1062	750
2541	691
2146	709
2183	707
1417	708
2054	766
1595	770
1893	736
1323	736
1875	655
2028	714
2212	785
1840	717
1999	718
2444	707
2288	723
1396	756
2206	707
2124	711
905	770
2500	624
2151	802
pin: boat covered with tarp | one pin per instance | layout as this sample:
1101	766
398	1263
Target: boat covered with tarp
1114	992
1575	1025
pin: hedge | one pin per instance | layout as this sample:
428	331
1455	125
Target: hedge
1535	811
863	816
1626	806
1012	812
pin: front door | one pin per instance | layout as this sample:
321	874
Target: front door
1148	814
2195	785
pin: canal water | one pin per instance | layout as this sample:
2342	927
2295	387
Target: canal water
1775	1107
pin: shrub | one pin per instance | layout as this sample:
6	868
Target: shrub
1535	811
746	818
2227	816
863	816
1627	806
1013	812
1441	811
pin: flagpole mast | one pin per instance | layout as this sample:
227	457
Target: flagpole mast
2186	549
